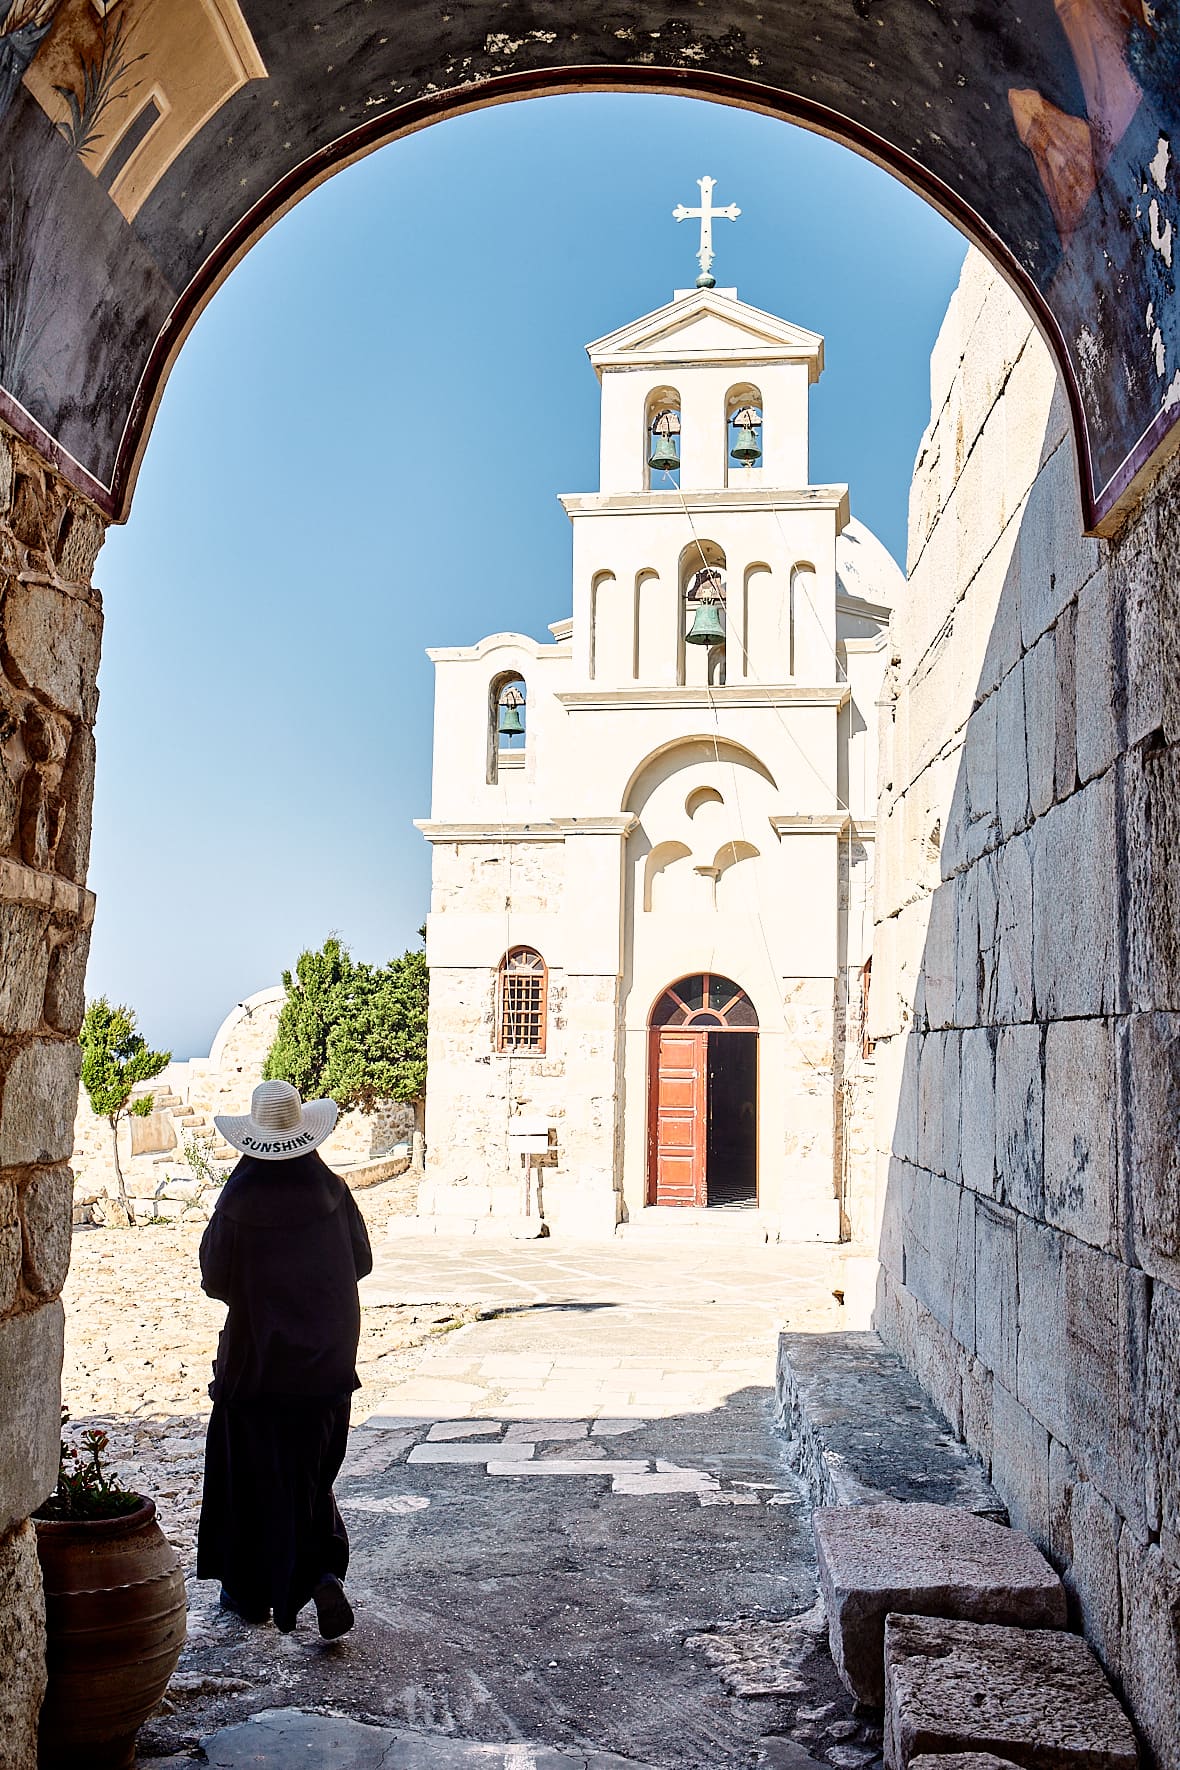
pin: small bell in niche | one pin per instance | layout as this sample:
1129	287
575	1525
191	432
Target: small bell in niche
746	451
707	591
665	429
511	723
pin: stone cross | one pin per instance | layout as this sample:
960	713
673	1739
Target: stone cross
706	214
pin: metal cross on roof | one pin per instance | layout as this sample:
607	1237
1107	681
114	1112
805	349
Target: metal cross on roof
706	214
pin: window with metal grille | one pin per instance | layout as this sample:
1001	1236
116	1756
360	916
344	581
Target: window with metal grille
523	986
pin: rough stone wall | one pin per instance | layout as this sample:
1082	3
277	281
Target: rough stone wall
1026	988
50	633
474	1091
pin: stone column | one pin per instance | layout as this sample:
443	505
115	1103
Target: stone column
50	630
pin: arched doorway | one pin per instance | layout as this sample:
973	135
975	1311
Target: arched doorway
703	1094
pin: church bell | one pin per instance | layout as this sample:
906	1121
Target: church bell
511	723
746	451
663	457
706	626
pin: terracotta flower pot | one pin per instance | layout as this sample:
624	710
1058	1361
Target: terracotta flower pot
115	1619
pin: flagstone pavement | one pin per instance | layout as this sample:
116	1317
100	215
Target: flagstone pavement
574	1531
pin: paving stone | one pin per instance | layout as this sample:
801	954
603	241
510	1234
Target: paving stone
562	1466
442	1430
924	1560
468	1453
693	1481
546	1431
277	1739
614	1428
1035	1695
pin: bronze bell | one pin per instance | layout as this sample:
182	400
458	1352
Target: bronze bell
663	457
706	626
746	451
665	429
511	723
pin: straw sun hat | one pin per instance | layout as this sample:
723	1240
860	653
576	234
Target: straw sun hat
278	1124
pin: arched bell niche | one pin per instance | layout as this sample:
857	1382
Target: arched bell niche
661	440
700	657
743	433
507	724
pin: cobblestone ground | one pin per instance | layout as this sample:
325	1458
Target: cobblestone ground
572	1521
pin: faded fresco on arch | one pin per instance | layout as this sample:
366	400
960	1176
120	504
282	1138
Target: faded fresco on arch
136	135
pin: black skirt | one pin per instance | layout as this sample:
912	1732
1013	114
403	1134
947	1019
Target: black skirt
270	1527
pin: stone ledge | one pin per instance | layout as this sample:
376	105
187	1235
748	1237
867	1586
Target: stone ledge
863	1431
47	891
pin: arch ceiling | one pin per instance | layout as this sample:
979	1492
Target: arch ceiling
145	143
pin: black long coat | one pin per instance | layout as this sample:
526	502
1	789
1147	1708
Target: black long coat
285	1248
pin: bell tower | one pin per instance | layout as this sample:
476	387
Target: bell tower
706	558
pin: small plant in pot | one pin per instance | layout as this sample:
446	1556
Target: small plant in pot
114	1612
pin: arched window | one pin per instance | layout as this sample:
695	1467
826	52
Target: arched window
507	716
709	1001
661	439
743	425
522	990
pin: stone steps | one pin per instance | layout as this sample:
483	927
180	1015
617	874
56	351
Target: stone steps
694	1225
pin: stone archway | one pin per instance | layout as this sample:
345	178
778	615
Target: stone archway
1046	137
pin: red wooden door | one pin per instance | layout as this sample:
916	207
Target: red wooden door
676	1159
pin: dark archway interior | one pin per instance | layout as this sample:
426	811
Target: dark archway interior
731	1151
1045	135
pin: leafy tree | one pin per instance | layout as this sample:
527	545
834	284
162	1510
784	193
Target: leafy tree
116	1059
317	1002
353	1032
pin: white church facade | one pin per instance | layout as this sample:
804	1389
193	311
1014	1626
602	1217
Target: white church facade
649	935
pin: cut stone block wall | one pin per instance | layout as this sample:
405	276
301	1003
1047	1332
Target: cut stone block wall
51	625
1026	985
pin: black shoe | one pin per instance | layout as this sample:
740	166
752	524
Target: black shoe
248	1613
285	1621
332	1608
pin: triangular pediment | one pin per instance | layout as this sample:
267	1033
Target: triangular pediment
707	326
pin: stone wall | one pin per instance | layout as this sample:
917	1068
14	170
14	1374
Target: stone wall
51	621
1026	988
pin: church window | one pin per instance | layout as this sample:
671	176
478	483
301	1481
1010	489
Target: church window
523	988
743	439
662	439
507	719
707	1000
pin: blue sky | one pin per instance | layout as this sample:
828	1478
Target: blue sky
359	454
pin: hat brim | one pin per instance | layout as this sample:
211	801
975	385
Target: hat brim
316	1122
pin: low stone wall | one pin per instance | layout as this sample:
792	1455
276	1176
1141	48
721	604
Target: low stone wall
1026	986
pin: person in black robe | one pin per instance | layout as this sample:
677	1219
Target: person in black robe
284	1249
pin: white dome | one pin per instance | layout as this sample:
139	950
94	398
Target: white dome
866	569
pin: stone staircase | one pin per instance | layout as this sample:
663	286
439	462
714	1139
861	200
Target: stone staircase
193	1120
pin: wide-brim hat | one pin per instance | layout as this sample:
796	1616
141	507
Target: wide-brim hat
280	1123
